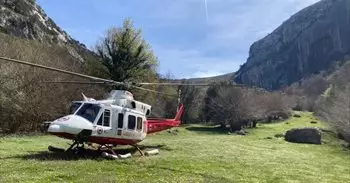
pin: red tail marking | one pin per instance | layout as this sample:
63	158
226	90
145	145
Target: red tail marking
180	111
158	124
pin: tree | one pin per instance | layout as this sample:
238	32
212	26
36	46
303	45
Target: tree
334	108
228	107
165	103
126	54
237	107
190	98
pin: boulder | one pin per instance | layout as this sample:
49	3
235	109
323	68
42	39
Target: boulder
304	135
241	132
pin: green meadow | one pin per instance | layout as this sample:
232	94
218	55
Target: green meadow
196	154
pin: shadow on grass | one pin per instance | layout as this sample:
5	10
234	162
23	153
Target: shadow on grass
207	177
83	154
208	129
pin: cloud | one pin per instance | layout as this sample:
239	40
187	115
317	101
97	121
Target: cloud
193	63
204	74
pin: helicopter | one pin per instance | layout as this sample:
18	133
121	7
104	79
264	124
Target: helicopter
118	119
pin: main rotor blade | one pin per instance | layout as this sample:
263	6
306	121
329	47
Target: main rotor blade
61	71
190	84
104	83
154	91
78	82
107	81
146	84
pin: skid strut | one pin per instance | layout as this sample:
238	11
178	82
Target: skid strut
138	148
75	143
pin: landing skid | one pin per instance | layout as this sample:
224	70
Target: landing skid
77	148
56	149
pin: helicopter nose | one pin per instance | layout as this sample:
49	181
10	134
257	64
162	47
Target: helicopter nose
54	128
70	124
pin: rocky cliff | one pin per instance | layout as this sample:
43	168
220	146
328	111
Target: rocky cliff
25	19
312	40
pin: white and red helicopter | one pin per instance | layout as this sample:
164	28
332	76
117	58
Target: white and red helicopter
116	120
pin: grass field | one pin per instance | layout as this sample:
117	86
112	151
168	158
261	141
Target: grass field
196	154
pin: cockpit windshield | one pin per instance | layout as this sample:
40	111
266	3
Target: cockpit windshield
89	111
74	107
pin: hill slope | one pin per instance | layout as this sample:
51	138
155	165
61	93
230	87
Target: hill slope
25	19
312	40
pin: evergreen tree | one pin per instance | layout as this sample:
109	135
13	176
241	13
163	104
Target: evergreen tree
126	54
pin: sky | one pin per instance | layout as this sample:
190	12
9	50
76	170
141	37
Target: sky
191	38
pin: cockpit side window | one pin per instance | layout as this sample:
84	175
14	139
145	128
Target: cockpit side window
106	118
99	122
89	111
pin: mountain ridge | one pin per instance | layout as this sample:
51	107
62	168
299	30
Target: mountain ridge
26	19
311	41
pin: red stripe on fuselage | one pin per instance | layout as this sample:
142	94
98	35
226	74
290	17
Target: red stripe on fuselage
100	140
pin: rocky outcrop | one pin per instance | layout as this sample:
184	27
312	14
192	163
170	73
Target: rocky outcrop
310	41
25	19
304	135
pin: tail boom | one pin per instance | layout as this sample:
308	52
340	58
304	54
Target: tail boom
157	124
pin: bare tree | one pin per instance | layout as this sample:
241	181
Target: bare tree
239	107
334	107
228	107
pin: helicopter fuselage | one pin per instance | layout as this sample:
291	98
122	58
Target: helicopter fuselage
108	124
117	120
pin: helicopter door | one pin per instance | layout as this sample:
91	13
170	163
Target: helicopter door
131	122
103	127
120	123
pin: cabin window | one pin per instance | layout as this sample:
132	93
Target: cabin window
131	122
139	123
106	117
120	120
88	111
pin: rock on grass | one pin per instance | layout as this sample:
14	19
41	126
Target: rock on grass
304	135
